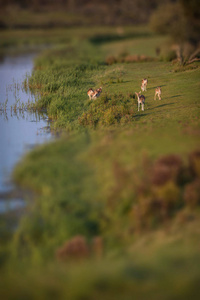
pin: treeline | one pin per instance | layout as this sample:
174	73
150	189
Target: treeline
180	19
108	12
81	4
176	16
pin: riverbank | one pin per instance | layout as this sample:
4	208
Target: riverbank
116	210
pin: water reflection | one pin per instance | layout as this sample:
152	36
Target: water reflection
20	128
12	204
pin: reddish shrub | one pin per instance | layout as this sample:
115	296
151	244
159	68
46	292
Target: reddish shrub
161	174
132	58
110	60
166	168
75	248
170	160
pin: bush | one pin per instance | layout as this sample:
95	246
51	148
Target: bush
192	194
166	168
194	161
110	60
107	110
168	55
162	196
169	19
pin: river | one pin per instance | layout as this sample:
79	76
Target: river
20	129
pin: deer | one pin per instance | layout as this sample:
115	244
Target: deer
98	92
90	93
158	92
144	84
93	94
141	100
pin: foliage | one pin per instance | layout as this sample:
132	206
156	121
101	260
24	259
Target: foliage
169	19
140	196
63	13
62	84
108	110
180	19
192	13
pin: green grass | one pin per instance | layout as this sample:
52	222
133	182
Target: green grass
64	94
104	177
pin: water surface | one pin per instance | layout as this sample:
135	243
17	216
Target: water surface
20	130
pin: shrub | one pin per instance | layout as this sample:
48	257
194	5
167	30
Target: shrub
110	60
168	55
75	248
194	161
168	18
169	196
166	168
147	213
192	194
167	192
107	110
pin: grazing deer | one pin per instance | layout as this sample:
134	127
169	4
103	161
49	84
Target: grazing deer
144	84
158	92
93	94
90	93
141	100
98	92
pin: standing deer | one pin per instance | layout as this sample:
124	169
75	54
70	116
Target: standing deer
141	100
158	92
144	84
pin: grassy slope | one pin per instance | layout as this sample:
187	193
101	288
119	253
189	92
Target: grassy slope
87	182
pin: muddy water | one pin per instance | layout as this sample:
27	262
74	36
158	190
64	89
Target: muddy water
20	130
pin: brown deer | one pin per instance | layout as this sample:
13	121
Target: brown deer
158	92
144	84
90	93
93	94
141	100
97	92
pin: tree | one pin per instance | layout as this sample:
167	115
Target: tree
181	20
191	11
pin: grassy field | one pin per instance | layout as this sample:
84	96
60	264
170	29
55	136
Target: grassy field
116	206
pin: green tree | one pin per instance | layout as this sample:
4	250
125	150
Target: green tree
181	20
191	10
